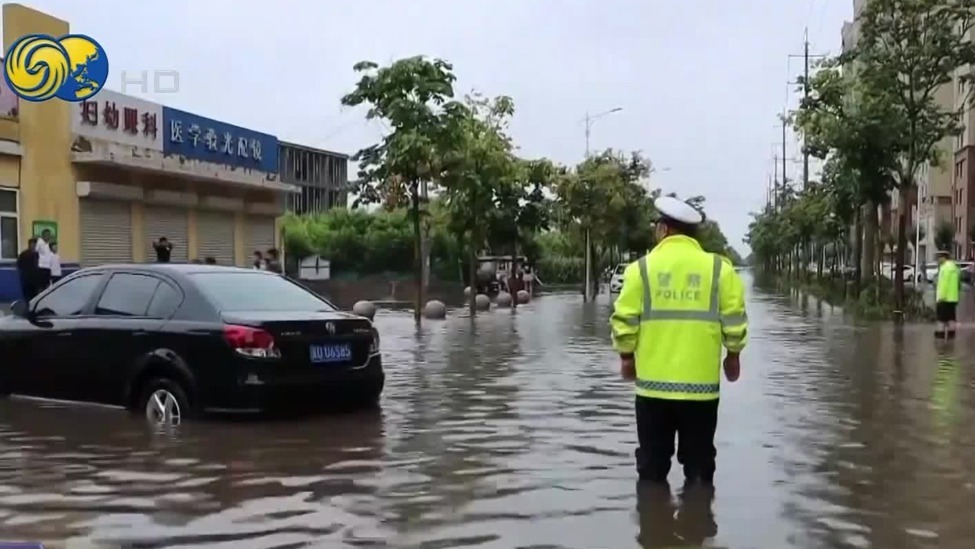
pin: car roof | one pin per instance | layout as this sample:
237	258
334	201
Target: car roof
175	268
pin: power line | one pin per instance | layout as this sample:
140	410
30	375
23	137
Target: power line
806	56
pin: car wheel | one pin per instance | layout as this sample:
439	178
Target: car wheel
163	402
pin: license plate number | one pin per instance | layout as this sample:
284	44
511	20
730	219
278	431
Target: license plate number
324	354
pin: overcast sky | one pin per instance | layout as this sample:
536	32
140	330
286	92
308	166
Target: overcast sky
700	81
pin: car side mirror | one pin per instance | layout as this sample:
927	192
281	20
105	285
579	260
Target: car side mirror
20	308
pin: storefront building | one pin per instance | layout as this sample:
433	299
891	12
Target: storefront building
114	174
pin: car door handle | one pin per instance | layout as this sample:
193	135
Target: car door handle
140	333
65	334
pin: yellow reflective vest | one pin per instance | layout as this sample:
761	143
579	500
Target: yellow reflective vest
678	306
949	282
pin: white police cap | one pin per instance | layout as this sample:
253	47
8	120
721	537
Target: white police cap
678	210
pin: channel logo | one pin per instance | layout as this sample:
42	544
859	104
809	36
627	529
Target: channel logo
40	67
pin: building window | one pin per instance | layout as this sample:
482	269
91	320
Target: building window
9	224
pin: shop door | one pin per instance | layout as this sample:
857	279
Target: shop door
258	234
172	223
106	232
215	232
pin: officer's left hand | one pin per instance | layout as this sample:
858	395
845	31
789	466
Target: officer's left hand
628	368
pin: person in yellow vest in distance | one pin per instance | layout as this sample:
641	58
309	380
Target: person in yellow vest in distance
946	300
678	307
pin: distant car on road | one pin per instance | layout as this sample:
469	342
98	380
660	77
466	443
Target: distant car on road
169	341
616	279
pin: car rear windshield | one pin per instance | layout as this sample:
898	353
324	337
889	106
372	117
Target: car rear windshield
620	268
242	291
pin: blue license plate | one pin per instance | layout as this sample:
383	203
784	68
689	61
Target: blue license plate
324	354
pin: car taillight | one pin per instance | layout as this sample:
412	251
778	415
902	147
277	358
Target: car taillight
251	342
374	346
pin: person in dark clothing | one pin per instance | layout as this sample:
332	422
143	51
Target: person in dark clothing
210	260
28	270
259	263
164	249
273	263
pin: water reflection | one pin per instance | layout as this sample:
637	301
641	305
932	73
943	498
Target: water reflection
515	431
664	523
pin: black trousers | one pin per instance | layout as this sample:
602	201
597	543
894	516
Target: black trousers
693	422
43	279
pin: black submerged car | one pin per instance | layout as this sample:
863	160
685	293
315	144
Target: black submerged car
170	341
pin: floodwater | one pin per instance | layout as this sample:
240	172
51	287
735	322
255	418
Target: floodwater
519	434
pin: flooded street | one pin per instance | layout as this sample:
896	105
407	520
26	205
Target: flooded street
519	433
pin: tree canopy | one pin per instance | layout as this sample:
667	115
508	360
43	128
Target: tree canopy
449	166
877	116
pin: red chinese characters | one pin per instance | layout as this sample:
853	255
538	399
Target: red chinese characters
110	115
131	120
149	125
89	113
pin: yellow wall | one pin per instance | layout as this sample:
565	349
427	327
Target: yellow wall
10	172
47	181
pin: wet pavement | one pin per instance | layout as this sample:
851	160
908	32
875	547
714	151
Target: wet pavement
518	433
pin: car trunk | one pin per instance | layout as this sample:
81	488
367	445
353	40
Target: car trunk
312	339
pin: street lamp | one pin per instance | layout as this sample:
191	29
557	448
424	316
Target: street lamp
590	119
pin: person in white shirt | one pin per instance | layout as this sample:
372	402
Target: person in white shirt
55	263
43	250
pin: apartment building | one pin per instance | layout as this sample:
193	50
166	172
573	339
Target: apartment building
963	180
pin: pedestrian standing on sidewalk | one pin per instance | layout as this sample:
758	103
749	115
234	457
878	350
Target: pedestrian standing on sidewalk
946	299
273	262
27	270
55	263
44	255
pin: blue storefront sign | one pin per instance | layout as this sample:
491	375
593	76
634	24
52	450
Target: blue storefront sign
199	138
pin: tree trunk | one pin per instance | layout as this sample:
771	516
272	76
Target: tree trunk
858	250
871	225
902	212
472	273
511	275
417	252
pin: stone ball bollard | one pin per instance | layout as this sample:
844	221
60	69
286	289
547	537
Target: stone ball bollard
467	291
482	302
523	297
503	299
364	308
435	310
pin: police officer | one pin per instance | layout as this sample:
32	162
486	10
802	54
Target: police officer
946	297
678	306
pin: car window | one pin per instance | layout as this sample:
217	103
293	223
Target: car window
127	295
257	291
620	269
165	302
69	298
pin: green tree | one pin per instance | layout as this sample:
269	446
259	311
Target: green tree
478	169
599	193
910	49
850	123
406	96
944	236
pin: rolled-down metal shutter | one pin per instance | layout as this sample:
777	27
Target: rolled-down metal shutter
215	234
171	223
258	234
106	232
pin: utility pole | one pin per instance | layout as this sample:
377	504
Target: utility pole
785	122
775	182
805	94
587	294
